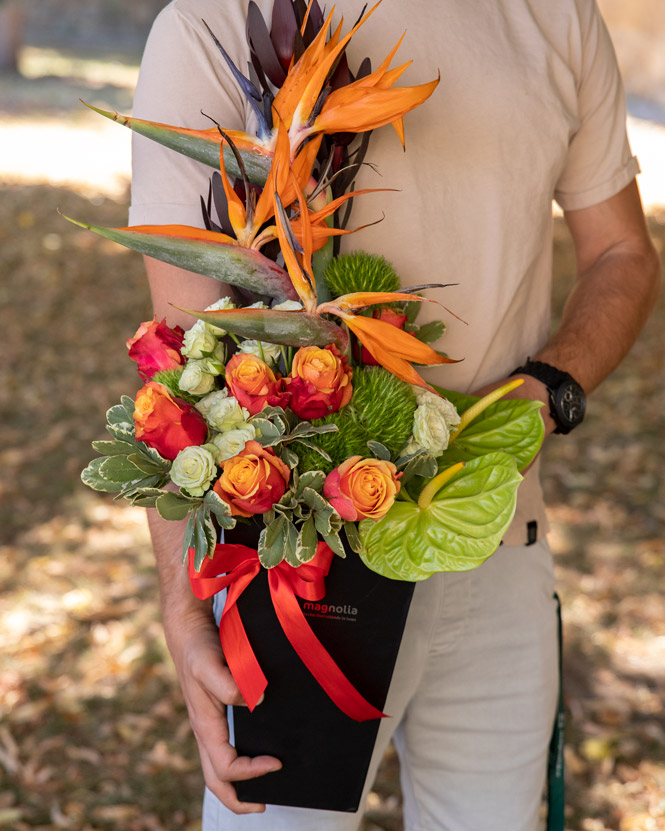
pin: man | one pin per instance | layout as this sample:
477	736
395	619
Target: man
530	107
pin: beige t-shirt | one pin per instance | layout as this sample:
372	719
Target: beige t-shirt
530	107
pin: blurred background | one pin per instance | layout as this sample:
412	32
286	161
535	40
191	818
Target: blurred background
93	731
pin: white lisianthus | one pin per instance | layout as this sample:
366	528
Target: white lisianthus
195	380
268	352
288	306
444	406
199	341
193	469
430	429
222	411
258	305
219	306
229	444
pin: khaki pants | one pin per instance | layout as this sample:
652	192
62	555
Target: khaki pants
472	701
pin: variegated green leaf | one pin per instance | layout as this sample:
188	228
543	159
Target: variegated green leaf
291	545
92	477
335	543
188	539
353	537
307	541
114	448
121	469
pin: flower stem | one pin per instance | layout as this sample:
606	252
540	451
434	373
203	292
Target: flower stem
430	490
480	406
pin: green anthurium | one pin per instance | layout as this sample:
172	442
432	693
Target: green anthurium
457	530
195	250
201	145
297	328
513	425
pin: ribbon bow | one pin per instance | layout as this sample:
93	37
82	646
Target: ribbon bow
233	567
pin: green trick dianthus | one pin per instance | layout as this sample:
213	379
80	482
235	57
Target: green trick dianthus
360	271
383	406
349	440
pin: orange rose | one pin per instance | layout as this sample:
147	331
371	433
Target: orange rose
320	382
252	481
253	384
362	488
167	423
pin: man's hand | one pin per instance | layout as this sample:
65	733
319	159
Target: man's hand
208	686
531	388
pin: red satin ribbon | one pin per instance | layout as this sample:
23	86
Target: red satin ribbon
233	567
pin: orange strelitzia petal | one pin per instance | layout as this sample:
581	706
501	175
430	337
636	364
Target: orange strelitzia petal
301	278
235	207
182	232
375	340
357	109
300	73
315	83
277	180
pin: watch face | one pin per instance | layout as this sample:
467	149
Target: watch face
570	404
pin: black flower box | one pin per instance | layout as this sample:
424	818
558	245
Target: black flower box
325	754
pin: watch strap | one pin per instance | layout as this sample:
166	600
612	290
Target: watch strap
548	374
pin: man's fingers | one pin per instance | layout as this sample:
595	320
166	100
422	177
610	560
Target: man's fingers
216	678
245	767
222	787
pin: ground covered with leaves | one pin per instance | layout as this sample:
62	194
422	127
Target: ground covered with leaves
93	731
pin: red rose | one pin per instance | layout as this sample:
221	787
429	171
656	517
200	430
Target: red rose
388	316
320	382
155	347
252	481
166	423
251	381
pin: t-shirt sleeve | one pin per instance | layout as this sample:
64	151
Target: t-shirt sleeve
599	161
181	76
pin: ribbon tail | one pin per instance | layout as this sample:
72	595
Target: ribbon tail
240	657
314	655
238	652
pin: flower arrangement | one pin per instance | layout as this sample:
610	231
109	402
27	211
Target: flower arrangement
297	403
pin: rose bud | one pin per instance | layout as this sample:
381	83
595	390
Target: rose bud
251	381
252	481
387	316
167	423
156	347
320	382
362	488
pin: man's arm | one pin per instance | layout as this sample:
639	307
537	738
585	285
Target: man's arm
615	291
191	634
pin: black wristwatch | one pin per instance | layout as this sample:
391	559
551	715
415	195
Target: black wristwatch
567	398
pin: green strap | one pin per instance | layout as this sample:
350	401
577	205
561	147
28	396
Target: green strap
555	783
